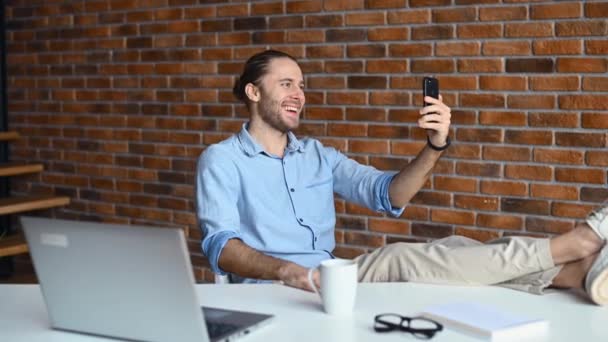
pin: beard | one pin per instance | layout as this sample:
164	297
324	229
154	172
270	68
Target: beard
272	114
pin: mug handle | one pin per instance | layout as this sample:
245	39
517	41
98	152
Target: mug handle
311	281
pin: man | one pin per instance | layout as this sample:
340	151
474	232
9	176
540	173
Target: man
265	205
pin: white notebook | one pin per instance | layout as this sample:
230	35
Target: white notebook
487	322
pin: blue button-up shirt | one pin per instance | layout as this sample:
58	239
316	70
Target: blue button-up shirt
283	207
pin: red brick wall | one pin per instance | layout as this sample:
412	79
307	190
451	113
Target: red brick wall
118	98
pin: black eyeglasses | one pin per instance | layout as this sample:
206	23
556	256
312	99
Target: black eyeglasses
420	327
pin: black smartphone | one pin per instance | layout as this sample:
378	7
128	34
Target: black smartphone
430	87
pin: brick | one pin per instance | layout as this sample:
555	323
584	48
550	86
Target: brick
595	120
376	4
526	206
292	22
367	50
425	3
553	83
365	19
345	35
366	114
525	30
325	52
393	33
432	32
551	156
582	65
595	83
509	188
342	5
352	130
324	113
432	198
389	98
506	153
502	83
529	65
267	8
308	36
434	231
454	184
481	100
474	169
531	172
531	101
476	203
467	31
580	28
580	139
325	83
433	66
406	148
363	239
503	13
464	151
409	17
386	66
454	82
596	10
550	191
410	50
367	82
349	222
505	48
464	14
389	226
575	175
306	6
250	23
593	102
480	65
500	221
528	137
268	37
556	11
386	131
457	49
352	98
557	47
596	195
570	210
368	146
324	20
560	119
535	224
452	216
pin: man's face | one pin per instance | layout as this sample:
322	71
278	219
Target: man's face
281	95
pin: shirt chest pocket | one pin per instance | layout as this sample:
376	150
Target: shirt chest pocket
319	208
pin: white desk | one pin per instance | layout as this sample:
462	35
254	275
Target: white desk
299	317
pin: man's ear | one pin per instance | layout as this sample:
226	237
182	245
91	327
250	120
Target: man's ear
252	92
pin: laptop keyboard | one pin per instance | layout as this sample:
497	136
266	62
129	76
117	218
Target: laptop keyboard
216	329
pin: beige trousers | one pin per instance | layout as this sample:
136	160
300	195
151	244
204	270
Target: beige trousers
520	263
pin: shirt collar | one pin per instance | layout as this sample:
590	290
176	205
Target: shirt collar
252	147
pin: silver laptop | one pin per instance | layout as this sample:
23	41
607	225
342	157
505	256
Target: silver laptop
127	282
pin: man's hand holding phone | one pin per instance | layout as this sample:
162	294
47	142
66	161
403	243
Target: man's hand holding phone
435	116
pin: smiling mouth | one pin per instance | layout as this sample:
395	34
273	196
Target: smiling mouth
292	109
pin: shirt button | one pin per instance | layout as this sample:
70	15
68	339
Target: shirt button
301	220
316	239
292	190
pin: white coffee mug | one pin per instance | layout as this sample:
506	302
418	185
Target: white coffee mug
338	285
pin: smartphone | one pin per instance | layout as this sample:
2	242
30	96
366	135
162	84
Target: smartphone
430	87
